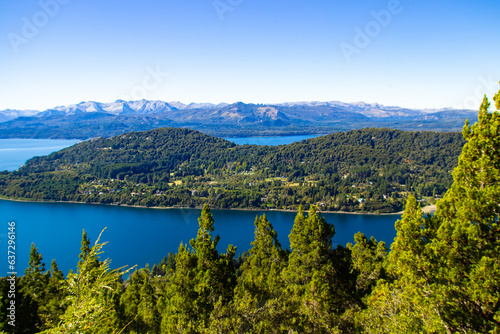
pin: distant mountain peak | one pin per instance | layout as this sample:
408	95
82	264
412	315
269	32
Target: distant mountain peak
91	118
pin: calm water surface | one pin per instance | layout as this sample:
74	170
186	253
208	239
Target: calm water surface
15	152
271	141
140	236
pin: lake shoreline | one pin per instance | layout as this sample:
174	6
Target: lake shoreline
426	209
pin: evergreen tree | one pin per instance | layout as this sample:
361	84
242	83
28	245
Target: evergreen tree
205	249
257	306
447	268
54	304
129	303
202	279
147	310
403	302
26	312
85	251
33	285
310	274
261	272
468	238
181	315
368	259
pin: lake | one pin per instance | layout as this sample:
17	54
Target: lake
271	141
140	236
137	235
15	152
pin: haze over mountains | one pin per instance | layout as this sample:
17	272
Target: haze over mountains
91	119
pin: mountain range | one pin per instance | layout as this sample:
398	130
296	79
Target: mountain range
94	119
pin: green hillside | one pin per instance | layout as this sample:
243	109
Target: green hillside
368	170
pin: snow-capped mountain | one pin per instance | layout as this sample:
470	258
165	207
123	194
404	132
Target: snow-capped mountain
9	114
89	119
118	107
146	107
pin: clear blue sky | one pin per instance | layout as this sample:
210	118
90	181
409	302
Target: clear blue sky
425	54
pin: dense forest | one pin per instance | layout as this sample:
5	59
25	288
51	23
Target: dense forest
442	274
368	170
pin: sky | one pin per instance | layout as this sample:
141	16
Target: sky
408	53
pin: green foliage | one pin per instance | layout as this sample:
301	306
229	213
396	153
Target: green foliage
445	269
181	313
368	170
259	294
27	318
33	286
261	272
310	274
54	303
402	302
147	310
468	237
85	249
368	259
90	309
129	303
202	279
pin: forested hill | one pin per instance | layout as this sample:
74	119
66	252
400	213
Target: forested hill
163	148
361	170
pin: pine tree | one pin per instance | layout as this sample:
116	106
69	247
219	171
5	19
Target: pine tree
36	267
146	310
54	304
404	301
129	303
468	238
446	269
368	257
261	272
26	309
257	304
85	251
32	286
207	265
202	279
181	314
310	274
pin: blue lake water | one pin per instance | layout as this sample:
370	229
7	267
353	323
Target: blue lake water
15	152
140	236
271	141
